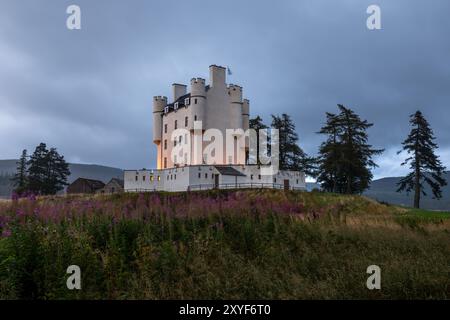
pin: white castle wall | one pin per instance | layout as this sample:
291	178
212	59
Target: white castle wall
180	179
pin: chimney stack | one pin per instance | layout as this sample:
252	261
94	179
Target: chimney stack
178	90
217	76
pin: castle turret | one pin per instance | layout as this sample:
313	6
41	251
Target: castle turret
198	100
159	103
245	114
235	95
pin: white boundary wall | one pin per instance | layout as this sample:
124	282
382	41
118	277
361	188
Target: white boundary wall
203	177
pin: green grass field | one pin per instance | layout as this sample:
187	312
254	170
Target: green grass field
252	244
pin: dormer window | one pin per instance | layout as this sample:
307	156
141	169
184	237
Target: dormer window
187	101
175	106
166	110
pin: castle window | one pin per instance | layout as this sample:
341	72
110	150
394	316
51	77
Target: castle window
137	178
165	163
143	178
297	181
186	121
206	176
274	180
187	101
151	178
259	177
175	177
195	118
176	124
179	139
165	144
166	109
195	101
199	175
159	178
175	106
165	128
251	177
174	143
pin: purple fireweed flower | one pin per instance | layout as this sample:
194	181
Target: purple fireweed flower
6	233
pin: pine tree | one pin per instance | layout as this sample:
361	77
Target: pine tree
256	124
292	157
20	179
425	165
346	156
48	171
330	155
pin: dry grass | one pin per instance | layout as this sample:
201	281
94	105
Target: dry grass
251	244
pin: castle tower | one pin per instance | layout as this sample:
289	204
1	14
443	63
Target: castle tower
235	94
246	114
198	101
159	103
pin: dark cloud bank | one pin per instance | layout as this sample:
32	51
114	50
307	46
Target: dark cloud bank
89	92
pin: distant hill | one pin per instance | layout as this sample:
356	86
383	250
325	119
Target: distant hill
385	190
91	171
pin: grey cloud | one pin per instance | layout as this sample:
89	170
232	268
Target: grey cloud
89	92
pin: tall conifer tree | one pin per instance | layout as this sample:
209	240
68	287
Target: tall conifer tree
424	163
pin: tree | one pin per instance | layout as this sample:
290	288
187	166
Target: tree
330	155
20	179
425	165
48	171
345	158
292	157
257	124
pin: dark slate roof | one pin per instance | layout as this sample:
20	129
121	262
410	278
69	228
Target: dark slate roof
180	101
118	181
94	184
229	171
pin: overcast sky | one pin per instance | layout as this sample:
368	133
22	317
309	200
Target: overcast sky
89	92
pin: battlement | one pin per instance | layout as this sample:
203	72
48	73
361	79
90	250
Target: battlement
160	98
198	81
216	66
234	87
235	93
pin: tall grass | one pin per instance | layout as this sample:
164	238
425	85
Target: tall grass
252	244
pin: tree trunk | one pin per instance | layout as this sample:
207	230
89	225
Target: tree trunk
417	189
417	177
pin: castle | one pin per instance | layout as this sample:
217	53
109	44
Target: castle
184	131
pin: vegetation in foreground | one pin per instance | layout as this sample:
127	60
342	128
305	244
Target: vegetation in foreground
251	244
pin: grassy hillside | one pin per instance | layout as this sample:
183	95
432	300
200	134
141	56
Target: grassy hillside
254	244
